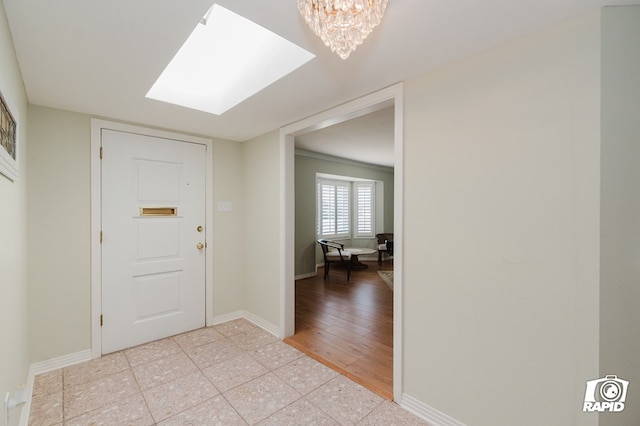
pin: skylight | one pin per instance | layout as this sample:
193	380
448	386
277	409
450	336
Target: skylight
226	59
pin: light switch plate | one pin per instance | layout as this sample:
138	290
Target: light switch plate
224	206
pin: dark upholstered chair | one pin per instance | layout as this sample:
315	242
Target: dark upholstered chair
385	245
335	254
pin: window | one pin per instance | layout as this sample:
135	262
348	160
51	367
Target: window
346	208
364	209
333	208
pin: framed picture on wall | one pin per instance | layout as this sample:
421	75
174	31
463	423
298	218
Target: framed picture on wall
8	143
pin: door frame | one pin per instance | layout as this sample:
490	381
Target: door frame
389	96
96	218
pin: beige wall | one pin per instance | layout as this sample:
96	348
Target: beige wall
14	350
501	248
261	247
228	227
620	233
59	231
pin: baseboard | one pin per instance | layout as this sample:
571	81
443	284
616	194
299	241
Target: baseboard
219	319
309	274
44	367
265	325
59	362
427	413
303	276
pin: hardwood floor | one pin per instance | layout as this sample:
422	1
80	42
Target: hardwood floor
348	325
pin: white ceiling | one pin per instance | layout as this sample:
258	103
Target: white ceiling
368	138
101	57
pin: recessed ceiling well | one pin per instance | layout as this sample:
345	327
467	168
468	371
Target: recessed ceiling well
226	59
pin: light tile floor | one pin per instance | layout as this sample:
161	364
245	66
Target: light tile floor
230	374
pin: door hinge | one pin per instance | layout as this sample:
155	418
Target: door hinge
100	320
101	235
101	153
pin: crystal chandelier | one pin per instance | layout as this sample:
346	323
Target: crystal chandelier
342	24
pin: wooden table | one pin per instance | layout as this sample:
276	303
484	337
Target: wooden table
358	251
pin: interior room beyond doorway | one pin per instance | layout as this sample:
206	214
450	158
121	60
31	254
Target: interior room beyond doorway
348	325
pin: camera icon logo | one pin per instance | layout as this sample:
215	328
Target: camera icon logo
605	394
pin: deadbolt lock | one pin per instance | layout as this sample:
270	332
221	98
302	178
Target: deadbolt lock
199	229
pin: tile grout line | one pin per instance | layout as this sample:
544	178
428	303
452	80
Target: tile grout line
201	371
64	392
146	403
370	413
243	349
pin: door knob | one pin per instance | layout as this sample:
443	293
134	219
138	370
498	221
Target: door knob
200	246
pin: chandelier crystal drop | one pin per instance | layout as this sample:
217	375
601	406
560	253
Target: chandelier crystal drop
342	24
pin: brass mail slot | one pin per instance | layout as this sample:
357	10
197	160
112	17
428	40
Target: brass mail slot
158	211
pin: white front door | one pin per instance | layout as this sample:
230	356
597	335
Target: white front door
153	243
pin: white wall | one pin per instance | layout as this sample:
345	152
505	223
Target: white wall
262	247
501	249
14	355
620	232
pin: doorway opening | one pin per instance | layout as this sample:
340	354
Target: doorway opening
391	96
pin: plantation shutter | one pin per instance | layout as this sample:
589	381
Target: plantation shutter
333	209
364	211
342	210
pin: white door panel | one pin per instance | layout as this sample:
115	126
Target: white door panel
156	295
153	273
158	238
